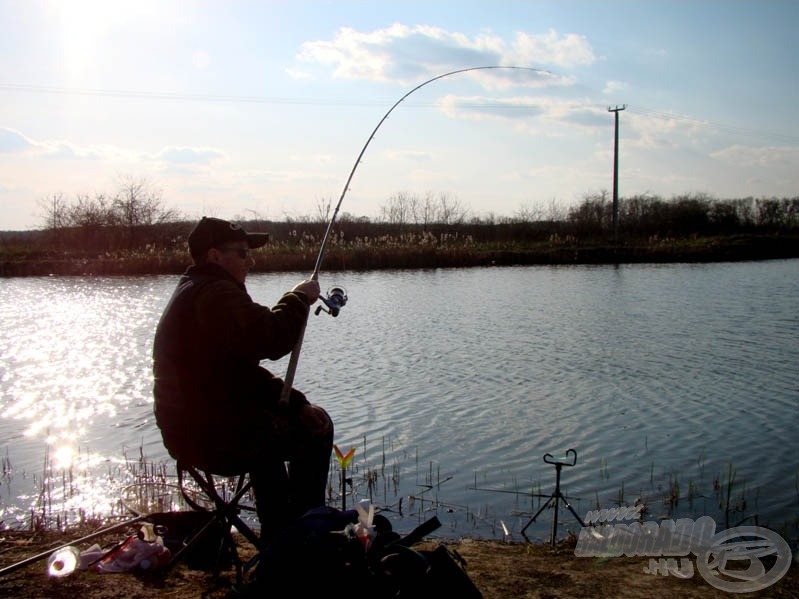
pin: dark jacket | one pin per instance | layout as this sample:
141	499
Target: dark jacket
210	390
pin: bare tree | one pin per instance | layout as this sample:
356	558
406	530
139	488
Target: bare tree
397	210
744	208
90	212
54	212
137	203
529	213
427	210
450	210
323	207
556	212
594	212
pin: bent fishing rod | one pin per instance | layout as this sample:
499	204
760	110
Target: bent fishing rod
337	297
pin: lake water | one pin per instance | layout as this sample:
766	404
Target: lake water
672	383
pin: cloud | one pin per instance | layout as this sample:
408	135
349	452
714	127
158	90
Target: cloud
411	155
766	157
586	116
662	130
63	150
184	156
481	106
614	87
297	74
404	54
551	49
12	141
544	109
317	159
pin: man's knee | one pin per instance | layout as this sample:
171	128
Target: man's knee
326	422
316	422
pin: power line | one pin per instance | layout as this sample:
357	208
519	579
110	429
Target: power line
289	101
120	93
716	124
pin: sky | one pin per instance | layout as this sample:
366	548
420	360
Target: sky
261	109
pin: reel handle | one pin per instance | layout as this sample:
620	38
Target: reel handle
335	300
568	459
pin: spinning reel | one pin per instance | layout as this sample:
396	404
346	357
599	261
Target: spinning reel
335	300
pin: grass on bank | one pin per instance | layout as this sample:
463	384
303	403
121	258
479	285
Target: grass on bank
406	489
135	235
409	252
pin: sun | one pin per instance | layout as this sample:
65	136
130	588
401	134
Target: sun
87	30
81	25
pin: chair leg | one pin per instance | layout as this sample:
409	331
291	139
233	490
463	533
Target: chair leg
225	513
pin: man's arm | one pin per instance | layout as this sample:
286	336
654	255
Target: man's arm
245	328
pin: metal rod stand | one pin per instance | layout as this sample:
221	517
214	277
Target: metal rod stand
569	459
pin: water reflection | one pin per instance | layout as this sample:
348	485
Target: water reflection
635	367
69	359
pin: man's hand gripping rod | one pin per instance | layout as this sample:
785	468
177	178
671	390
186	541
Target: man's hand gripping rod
288	380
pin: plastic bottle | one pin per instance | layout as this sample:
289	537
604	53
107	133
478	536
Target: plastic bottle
63	561
364	529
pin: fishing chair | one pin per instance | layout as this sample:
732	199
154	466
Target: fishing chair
223	510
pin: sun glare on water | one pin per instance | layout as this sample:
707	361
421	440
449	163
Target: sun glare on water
63	456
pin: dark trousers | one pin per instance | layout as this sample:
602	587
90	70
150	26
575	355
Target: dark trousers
292	479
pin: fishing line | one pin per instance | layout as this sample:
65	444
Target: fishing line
295	353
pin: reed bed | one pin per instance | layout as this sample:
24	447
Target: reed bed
403	487
410	250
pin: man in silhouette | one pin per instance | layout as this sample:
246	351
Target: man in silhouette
216	406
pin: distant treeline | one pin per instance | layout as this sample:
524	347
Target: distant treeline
134	234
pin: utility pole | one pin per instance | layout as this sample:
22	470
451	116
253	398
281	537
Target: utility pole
616	111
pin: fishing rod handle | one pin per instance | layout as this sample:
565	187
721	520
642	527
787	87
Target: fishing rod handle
288	380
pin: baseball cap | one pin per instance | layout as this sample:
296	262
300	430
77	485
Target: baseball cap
213	232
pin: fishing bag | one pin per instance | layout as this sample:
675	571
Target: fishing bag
325	554
178	529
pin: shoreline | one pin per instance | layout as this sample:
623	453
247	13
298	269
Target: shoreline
499	569
738	248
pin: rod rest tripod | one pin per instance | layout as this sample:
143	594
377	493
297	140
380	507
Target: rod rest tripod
568	459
